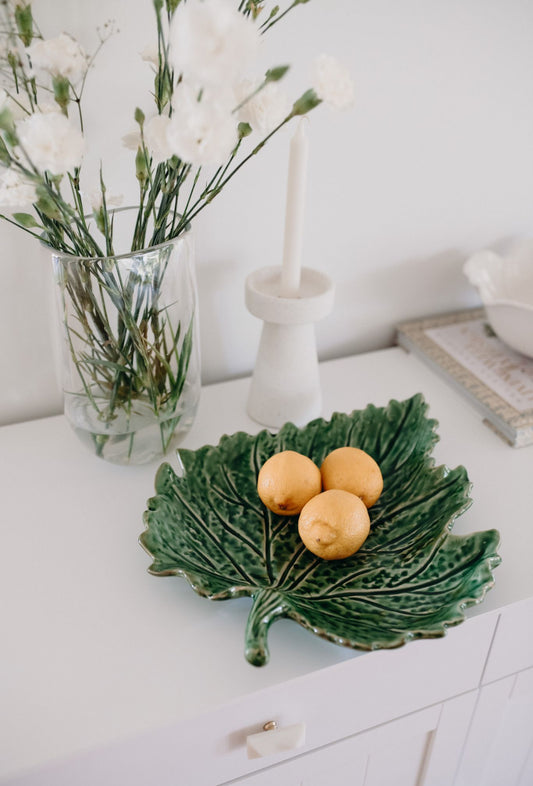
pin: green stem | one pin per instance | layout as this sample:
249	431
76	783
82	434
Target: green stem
19	226
197	207
269	23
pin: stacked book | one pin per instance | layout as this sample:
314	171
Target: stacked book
465	351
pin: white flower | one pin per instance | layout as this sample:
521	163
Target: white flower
16	108
201	132
211	42
267	109
51	142
61	56
333	83
15	192
150	54
132	140
47	107
4	98
156	139
111	200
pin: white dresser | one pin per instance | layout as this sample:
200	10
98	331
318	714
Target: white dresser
110	676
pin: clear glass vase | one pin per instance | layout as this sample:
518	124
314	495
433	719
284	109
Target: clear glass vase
130	349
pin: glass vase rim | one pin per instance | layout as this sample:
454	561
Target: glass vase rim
117	257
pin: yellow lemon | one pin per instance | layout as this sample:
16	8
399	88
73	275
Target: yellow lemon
286	481
334	524
353	470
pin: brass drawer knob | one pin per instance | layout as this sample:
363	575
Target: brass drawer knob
274	740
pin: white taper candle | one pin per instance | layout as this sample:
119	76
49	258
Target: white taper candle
294	213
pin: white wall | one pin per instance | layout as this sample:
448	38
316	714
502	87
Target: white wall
435	161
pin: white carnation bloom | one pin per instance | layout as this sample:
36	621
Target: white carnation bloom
155	136
19	108
211	42
51	142
47	107
132	140
150	54
15	192
201	132
333	83
61	56
267	109
111	200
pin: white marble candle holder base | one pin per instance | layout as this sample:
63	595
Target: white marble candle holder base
285	384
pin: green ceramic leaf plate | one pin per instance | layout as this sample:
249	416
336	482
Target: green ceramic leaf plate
411	579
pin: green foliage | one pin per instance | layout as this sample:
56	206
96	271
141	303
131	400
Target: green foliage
61	87
6	120
5	157
130	353
46	204
276	73
172	5
24	22
254	7
26	220
308	101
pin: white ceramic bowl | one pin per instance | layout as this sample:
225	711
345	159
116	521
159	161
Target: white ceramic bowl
505	284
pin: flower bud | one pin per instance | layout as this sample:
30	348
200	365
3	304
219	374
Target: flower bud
141	166
24	22
61	87
276	73
244	129
13	60
308	101
163	88
99	218
255	7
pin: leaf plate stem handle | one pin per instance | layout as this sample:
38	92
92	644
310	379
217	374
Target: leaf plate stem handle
268	606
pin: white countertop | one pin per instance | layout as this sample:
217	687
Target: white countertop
94	649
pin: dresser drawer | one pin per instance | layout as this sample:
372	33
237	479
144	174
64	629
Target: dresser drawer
364	691
348	698
512	648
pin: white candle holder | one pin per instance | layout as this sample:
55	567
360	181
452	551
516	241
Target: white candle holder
285	384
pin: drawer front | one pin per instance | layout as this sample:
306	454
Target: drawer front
392	753
499	745
334	703
512	649
423	747
353	696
